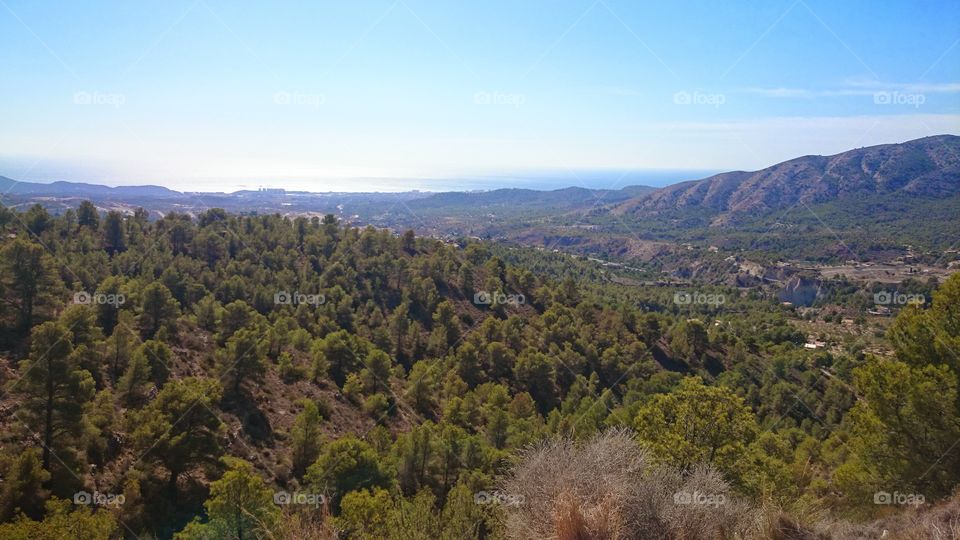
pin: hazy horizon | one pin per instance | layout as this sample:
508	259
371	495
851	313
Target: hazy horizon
43	172
540	180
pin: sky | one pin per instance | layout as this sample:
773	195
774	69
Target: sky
411	94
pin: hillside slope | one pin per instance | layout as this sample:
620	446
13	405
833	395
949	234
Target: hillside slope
927	167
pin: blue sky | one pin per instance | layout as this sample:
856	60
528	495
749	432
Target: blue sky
211	94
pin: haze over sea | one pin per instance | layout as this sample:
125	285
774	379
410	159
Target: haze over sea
543	180
538	180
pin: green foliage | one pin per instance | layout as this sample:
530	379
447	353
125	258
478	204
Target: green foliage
305	437
240	506
63	520
535	373
158	310
28	281
904	412
54	390
243	359
908	407
290	370
689	339
337	354
374	514
345	465
158	357
136	381
179	429
931	336
114	236
87	215
22	487
696	424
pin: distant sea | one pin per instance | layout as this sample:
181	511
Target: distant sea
538	180
544	180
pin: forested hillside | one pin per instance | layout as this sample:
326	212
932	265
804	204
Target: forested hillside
922	167
245	376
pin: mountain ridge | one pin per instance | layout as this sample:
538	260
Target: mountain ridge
929	167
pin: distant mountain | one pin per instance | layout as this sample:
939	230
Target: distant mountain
927	167
386	209
566	199
79	189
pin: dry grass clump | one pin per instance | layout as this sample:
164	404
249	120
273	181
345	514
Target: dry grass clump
304	526
608	488
938	522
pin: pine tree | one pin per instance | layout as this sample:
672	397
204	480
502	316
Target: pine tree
305	437
120	345
135	382
240	506
376	376
55	390
159	357
29	280
696	424
179	429
344	465
87	215
158	310
114	239
22	488
243	359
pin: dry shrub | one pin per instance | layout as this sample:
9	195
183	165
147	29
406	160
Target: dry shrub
938	522
607	488
774	524
305	526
